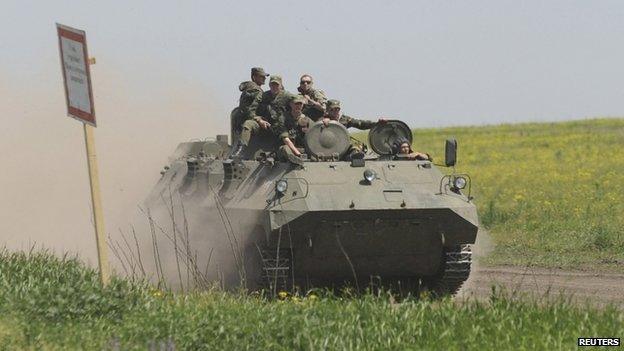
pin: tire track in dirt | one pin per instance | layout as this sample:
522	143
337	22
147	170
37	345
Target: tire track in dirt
595	288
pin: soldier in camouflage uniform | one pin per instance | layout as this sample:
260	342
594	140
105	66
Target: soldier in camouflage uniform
265	110
291	128
272	104
249	91
333	114
315	99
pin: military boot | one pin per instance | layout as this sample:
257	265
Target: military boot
295	159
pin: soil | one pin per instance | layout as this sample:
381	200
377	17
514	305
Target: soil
595	288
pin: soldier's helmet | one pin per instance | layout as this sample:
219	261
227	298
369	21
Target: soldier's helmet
396	147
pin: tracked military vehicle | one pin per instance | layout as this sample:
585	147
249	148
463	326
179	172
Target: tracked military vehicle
381	221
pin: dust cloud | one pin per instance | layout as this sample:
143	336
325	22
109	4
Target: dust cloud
142	115
190	242
483	245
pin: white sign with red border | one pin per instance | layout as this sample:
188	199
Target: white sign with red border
76	74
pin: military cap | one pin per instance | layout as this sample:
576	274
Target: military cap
259	70
276	79
298	99
332	103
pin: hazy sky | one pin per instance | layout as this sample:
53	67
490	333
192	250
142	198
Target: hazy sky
168	71
430	63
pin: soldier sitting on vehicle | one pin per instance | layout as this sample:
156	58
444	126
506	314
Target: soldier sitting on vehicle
265	110
315	99
402	149
272	103
291	128
249	91
333	114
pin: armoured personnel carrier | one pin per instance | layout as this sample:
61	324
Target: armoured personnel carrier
381	221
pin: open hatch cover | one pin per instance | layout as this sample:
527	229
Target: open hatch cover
327	140
382	136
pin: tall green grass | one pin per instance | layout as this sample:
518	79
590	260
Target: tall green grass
551	194
56	303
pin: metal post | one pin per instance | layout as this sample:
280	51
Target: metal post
96	201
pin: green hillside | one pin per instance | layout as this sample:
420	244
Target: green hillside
551	194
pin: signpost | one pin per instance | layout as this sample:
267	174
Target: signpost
79	99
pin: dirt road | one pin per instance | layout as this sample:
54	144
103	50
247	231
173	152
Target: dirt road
597	288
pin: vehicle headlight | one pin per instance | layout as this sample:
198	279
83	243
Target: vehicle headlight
459	182
281	186
369	175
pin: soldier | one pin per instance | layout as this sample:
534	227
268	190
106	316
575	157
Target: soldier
249	91
265	110
315	99
403	149
291	128
333	114
271	104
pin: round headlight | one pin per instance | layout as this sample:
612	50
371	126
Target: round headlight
459	182
369	175
281	186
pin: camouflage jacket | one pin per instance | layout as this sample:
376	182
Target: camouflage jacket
287	126
313	111
269	106
249	91
351	122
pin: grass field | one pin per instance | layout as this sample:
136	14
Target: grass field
56	304
551	194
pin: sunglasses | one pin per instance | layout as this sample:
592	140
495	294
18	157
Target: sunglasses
306	82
